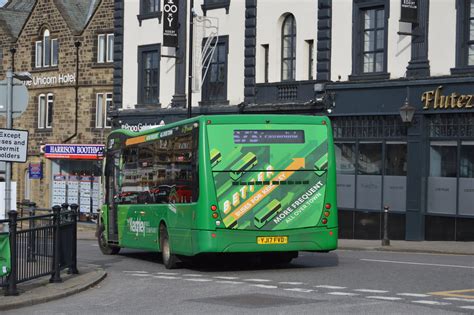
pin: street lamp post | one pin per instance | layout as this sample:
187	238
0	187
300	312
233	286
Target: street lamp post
22	76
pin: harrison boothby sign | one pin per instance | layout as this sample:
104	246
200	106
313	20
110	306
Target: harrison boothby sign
74	151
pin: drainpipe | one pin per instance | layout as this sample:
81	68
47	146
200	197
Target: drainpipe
77	44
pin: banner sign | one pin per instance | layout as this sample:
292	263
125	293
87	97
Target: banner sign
409	11
170	23
74	151
35	171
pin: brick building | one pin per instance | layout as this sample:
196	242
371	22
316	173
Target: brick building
67	46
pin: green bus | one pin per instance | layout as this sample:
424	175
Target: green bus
261	184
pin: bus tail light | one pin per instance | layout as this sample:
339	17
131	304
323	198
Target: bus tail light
326	213
327	206
215	215
325	221
213	207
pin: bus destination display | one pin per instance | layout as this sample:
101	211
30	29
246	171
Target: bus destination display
268	136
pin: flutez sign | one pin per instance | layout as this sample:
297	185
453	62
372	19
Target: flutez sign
436	100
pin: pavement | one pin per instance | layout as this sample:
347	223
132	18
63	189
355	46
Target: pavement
40	290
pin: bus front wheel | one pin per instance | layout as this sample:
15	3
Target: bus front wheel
169	260
105	248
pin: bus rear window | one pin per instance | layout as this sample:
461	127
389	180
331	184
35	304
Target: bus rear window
268	136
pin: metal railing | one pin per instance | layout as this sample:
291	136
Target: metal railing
41	245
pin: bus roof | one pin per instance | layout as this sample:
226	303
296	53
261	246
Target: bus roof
232	119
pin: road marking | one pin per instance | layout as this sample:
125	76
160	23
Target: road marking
456	293
265	286
134	271
343	293
386	298
168	273
291	283
370	291
226	278
431	302
257	280
191	275
459	299
198	280
467	307
299	290
413	294
139	274
414	263
166	277
95	245
229	282
332	287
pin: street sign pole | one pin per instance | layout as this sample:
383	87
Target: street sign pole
8	165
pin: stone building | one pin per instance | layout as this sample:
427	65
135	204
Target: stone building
67	46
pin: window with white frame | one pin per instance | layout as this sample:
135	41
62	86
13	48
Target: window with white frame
105	48
46	51
103	103
45	110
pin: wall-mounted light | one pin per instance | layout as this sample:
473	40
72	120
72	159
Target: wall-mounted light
407	112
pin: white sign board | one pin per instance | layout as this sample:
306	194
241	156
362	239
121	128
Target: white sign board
13	145
2	198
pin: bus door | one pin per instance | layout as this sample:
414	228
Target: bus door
113	182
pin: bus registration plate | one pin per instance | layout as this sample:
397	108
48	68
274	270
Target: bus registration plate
264	240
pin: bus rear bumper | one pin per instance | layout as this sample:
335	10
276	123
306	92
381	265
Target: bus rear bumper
235	241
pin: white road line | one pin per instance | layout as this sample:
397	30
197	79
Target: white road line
459	299
467	307
291	283
257	280
370	291
167	273
139	274
332	287
299	290
386	298
226	278
191	275
197	280
134	271
415	263
413	294
265	286
166	277
431	302
343	293
229	282
95	245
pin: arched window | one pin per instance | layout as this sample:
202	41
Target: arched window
288	48
47	50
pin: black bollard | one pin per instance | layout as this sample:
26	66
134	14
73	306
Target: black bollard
385	240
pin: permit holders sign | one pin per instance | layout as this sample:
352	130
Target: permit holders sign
13	145
170	23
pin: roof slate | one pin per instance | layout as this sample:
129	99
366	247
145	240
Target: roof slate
20	5
77	13
14	20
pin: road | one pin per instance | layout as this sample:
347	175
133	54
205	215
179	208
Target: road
341	282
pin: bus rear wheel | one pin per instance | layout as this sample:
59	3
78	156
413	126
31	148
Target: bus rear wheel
169	260
105	248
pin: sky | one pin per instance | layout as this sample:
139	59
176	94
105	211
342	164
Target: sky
2	2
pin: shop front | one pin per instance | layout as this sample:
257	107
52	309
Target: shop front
422	170
76	176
